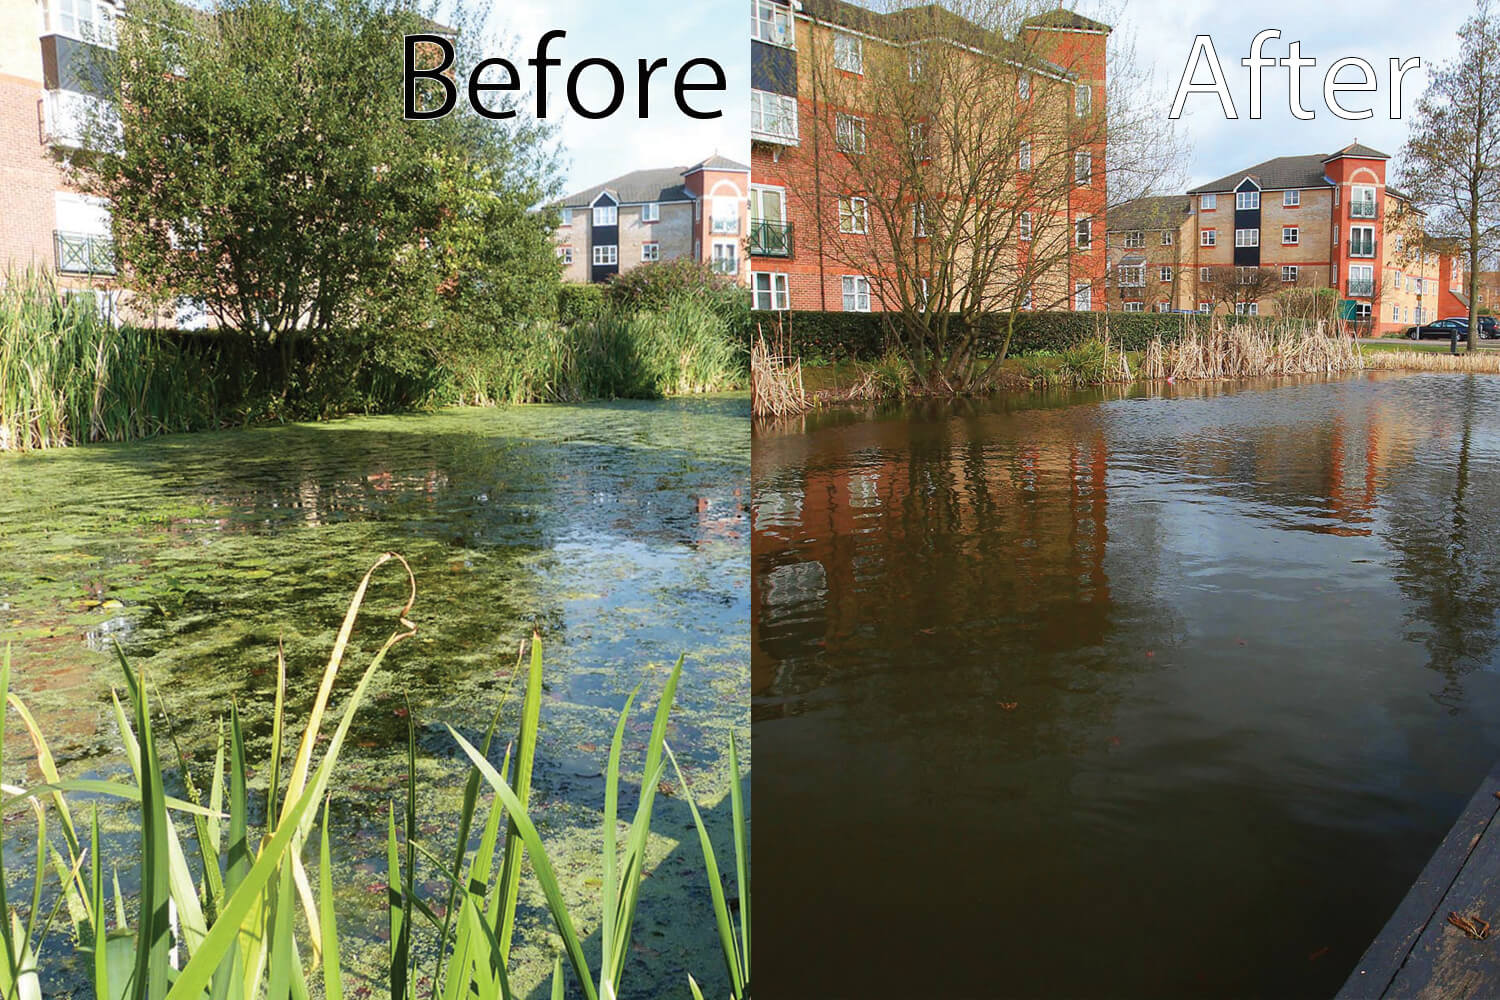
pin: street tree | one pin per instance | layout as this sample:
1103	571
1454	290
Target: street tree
1447	165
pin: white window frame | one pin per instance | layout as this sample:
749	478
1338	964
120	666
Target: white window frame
1083	168
1291	236
606	215
1132	275
777	293
565	217
1205	307
1362	201
1361	247
1083	297
849	133
724	215
1247	237
1025	226
1023	155
1083	233
1133	307
650	252
1164	273
1208	238
848	53
1203	274
854	216
1023	86
606	253
773	117
1289	273
651	212
1246	201
1208	202
856	292
1134	239
1247	308
778	28
1168	238
919	219
565	254
1291	199
1083	99
718	259
93	21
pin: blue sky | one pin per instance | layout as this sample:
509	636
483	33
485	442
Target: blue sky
622	32
1375	30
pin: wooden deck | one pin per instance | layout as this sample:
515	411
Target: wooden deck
1420	953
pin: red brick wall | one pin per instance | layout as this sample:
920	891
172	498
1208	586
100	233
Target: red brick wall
28	177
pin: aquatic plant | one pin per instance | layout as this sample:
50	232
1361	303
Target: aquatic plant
69	374
1433	361
1289	347
234	933
775	380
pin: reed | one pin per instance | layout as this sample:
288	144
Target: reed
1272	349
243	920
1484	362
775	379
68	374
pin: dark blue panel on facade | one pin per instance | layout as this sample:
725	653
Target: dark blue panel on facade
773	68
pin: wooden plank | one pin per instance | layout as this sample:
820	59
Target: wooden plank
1419	928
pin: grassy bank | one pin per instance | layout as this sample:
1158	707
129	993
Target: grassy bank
228	905
70	376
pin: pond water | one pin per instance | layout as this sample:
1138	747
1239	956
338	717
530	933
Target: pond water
620	530
1145	693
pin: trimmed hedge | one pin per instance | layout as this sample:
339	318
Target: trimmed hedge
825	337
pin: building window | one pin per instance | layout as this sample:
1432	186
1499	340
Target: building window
848	53
565	254
606	254
856	294
1399	242
770	291
1208	238
1396	281
1083	297
1291	199
1291	235
1135	239
1083	168
1164	273
771	22
1205	307
726	257
1026	299
1247	237
914	64
1167	238
854	216
773	117
919	219
1208	203
918	136
650	212
1023	86
650	252
1025	225
1289	273
1203	274
1362	201
88	20
1395	314
565	217
1023	155
1132	276
1083	99
1246	200
606	215
849	133
726	215
1361	241
1247	308
1361	280
1083	233
1134	307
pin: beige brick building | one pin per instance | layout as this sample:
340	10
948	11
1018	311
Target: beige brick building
701	212
1147	242
48	85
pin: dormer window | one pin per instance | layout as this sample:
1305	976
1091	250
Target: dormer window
1246	199
606	214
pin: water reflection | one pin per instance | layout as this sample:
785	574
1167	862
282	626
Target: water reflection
1115	673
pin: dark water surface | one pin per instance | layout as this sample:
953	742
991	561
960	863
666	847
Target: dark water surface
620	530
1134	696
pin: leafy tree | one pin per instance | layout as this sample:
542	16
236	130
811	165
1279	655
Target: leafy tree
263	168
1448	166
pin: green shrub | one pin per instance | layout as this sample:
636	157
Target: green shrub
579	303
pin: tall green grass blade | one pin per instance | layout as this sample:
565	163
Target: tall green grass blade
559	988
100	942
510	870
610	898
396	905
715	888
333	982
741	856
693	985
154	934
11	971
540	864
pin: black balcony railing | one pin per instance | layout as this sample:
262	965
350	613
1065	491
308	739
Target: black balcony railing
79	253
770	239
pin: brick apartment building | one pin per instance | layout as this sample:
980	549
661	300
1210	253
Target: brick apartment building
1311	221
48	84
645	216
800	231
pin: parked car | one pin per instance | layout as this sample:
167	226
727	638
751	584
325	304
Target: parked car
1488	327
1443	328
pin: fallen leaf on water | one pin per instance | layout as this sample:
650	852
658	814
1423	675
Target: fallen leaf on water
1009	706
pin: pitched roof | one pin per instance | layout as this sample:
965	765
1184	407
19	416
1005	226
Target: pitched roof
1152	212
1281	172
1068	20
656	184
1355	149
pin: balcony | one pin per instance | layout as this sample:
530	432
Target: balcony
81	253
69	115
1361	288
770	239
773	118
1361	210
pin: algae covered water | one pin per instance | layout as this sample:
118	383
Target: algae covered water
618	530
1139	692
